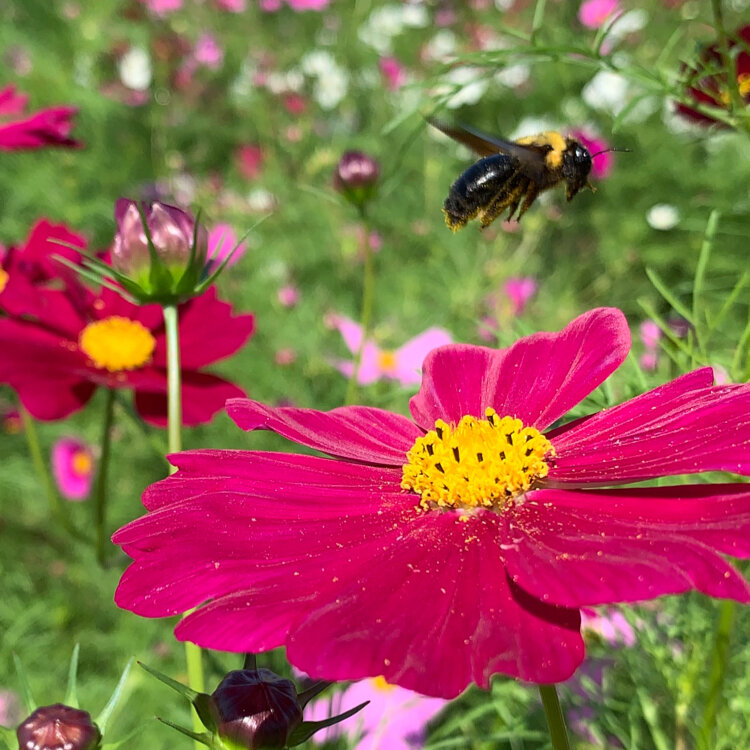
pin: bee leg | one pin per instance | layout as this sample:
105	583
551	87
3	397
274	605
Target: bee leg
532	191
509	195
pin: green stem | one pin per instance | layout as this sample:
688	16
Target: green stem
365	321
728	63
555	719
719	661
193	655
100	486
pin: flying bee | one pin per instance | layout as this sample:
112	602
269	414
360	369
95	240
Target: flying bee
511	174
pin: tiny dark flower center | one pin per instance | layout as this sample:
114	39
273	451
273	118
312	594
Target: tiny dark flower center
117	343
480	463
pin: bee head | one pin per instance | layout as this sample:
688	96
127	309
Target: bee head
576	166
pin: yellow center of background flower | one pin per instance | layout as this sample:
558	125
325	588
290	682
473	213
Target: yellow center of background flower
3	279
481	463
81	463
117	343
386	359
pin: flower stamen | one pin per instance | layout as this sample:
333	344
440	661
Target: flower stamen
480	463
117	343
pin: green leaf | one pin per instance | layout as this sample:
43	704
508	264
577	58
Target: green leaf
178	687
106	712
308	728
71	693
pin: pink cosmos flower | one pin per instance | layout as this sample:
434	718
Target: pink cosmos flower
299	5
650	335
49	127
231	6
207	52
250	161
394	719
73	468
221	241
393	72
402	364
439	550
162	7
509	304
593	14
270	6
519	290
611	625
288	295
602	165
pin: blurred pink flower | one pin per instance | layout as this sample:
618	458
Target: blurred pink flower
286	356
270	6
601	166
221	241
508	304
609	624
11	422
48	127
393	72
721	376
299	5
231	6
394	719
649	360
519	291
207	52
162	7
250	161
650	334
73	468
403	364
11	711
487	328
294	103
288	295
595	13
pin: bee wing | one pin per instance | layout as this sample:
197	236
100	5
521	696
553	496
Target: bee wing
530	157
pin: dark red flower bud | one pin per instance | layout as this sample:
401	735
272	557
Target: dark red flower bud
58	727
356	176
255	709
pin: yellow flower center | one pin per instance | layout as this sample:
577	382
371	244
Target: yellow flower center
386	360
743	84
81	463
3	279
117	343
381	685
480	463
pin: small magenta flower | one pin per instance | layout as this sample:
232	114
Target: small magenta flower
222	242
593	14
288	295
356	177
255	708
601	167
403	364
393	72
58	727
73	468
650	335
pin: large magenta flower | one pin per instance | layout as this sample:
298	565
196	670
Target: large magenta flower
61	342
439	551
48	127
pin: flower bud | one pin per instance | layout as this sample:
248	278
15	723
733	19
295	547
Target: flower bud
255	709
58	727
171	232
356	177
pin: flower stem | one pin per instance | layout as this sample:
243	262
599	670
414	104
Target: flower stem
728	62
193	655
367	299
555	719
719	661
100	486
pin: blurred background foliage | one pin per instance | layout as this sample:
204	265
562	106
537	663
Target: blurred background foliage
295	90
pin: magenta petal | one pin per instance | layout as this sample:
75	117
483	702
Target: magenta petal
577	549
538	379
682	427
360	433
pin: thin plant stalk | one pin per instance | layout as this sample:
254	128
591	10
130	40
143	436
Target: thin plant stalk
100	484
719	662
193	654
368	288
555	720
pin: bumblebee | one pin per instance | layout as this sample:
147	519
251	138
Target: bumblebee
511	174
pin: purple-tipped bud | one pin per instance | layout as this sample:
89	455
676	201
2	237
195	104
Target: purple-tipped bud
58	727
255	709
356	177
171	231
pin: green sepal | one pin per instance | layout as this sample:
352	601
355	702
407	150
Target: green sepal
28	698
202	737
308	728
316	689
106	713
159	277
71	692
178	687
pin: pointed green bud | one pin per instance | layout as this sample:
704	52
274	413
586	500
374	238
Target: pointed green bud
356	177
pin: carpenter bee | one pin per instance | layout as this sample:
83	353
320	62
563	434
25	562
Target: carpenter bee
511	174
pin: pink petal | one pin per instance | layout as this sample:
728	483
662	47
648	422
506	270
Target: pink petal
410	356
538	379
584	548
682	427
350	331
360	433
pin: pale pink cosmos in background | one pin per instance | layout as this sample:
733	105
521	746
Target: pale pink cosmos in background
73	467
601	166
285	356
162	7
10	709
595	13
308	4
403	364
609	624
231	6
650	335
207	52
507	304
394	719
288	295
221	241
393	72
270	6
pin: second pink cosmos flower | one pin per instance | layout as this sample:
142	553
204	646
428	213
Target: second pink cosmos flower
441	550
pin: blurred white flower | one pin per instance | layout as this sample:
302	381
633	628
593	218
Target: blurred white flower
317	62
468	83
331	88
663	217
135	69
260	200
282	82
628	23
532	126
442	46
389	21
513	76
606	91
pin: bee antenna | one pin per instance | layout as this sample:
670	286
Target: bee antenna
607	150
